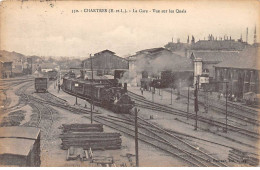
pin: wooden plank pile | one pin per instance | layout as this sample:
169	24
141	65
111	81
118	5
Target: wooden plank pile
85	136
82	128
95	140
242	157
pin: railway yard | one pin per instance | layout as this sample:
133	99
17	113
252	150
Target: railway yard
166	132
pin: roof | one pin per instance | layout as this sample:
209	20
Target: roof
97	55
166	60
228	45
215	56
104	52
19	132
16	146
177	46
151	50
247	59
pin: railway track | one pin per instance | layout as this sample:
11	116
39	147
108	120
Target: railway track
62	105
19	93
238	112
44	119
143	103
162	140
192	158
149	134
8	84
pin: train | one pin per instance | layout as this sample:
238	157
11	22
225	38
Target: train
52	75
103	94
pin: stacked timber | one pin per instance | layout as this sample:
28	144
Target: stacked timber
82	128
94	140
242	157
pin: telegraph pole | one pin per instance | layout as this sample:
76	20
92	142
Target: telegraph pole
226	105
171	95
136	139
153	91
91	111
196	107
188	105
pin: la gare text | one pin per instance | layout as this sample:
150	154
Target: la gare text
143	11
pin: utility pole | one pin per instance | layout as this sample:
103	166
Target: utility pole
76	102
188	105
153	91
171	95
136	139
91	112
226	105
196	107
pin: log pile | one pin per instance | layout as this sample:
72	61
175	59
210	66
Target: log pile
242	157
89	136
82	128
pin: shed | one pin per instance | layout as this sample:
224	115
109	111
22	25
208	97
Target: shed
20	146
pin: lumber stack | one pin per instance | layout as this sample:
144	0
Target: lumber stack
82	128
94	140
242	157
87	136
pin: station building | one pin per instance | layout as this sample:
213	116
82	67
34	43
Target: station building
105	63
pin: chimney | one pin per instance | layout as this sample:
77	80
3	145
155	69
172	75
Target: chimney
255	36
247	35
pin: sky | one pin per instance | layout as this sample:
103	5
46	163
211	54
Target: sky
51	29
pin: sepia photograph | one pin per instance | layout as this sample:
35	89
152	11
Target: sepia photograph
129	83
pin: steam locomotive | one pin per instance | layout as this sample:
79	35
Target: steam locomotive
102	94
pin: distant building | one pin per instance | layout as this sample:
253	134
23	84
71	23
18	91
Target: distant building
105	62
153	61
204	61
219	45
5	67
207	53
242	73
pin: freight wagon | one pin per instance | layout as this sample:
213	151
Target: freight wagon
20	146
41	84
